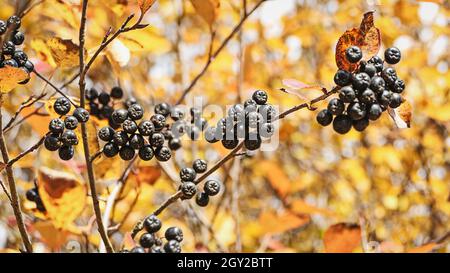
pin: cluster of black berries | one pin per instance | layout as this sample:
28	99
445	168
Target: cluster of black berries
62	136
189	187
33	196
148	137
365	94
250	121
150	242
12	56
101	104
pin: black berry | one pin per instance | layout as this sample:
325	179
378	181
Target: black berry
119	116
189	189
187	174
159	121
104	98
202	199
56	125
260	97
146	153
91	94
52	142
398	86
120	138
152	224
377	62
8	48
129	126
174	233
110	149
389	75
117	92
172	246
356	110
396	100
66	152
147	240
347	94
353	54
163	109
14	22
71	122
157	140
32	194
368	96
336	106
137	249
200	166
361	81
374	111
62	106
137	142
324	117
106	133
342	124
146	128
342	78
126	153
163	154
175	144
211	187
360	125
81	114
69	138
135	111
252	141
377	84
20	57
392	55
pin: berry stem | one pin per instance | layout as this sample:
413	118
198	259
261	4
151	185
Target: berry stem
217	52
15	204
90	170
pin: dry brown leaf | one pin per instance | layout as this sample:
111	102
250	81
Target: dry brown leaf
277	177
342	238
64	52
63	195
207	9
145	5
273	223
10	77
367	37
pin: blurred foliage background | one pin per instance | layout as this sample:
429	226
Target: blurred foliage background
386	189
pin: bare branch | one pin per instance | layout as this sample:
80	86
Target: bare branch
27	151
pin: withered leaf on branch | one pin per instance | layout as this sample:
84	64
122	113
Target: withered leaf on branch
367	37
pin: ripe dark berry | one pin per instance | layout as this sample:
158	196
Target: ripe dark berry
377	84
106	133
172	246
71	122
200	166
119	116
69	138
353	54
211	187
260	97
392	55
146	153
117	92
129	126
324	117
56	125
369	69
342	124
156	249
3	27
152	224
66	152
187	174
377	62
14	22
10	62
159	121
110	149
39	204
374	112
135	111
252	141
385	98
336	106
360	125
62	106
347	94
250	105
202	199
20	57
177	113
9	48
361	81
211	135
129	102
52	142
126	153
396	100
389	75
91	94
356	110
267	112
137	249
29	66
368	96
342	78
120	138
175	144
137	142
106	111
174	233
81	114
146	128
398	86
32	194
104	98
163	154
157	140
230	143
163	109
147	240
189	189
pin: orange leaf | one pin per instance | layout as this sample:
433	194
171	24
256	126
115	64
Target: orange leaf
342	238
53	237
277	178
146	174
10	77
207	9
424	248
64	52
367	37
145	5
301	207
273	223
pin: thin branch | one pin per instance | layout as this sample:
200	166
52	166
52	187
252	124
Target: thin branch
15	203
24	153
5	190
35	112
54	87
217	52
27	103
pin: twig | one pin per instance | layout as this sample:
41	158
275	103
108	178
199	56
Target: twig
90	170
54	87
97	154
35	112
15	204
217	52
27	103
24	153
5	190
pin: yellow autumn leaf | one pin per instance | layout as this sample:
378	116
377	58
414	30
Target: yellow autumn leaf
207	9
10	77
64	52
63	195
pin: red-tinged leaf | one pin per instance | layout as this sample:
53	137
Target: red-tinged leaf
145	5
292	86
367	37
